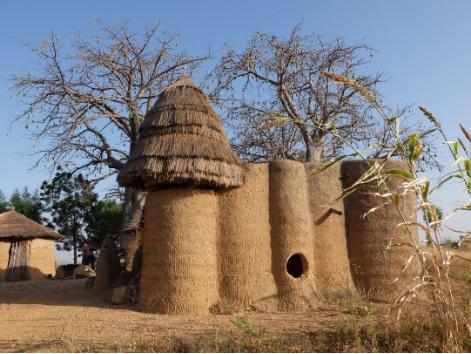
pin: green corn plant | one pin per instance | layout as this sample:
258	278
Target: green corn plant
435	260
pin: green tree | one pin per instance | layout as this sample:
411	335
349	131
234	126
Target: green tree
105	218
3	202
28	204
69	200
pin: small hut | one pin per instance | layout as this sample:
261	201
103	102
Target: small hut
27	249
182	142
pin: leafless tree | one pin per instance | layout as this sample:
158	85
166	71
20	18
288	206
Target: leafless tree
278	103
84	109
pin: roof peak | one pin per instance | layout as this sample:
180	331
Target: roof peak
16	225
11	210
182	142
184	80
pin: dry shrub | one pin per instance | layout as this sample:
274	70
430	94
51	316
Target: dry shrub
435	261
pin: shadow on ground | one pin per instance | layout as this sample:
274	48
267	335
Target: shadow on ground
69	292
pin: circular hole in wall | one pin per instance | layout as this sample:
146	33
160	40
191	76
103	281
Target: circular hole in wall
296	265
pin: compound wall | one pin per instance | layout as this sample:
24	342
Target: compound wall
41	262
274	244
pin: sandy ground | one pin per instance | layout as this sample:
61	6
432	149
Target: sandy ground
62	315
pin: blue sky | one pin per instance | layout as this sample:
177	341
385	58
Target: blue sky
423	48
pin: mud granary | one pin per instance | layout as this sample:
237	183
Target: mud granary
223	234
27	249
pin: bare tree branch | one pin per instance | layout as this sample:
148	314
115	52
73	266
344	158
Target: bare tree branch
86	107
275	78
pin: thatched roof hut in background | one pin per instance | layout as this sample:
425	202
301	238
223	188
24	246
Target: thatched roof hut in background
182	142
27	249
14	225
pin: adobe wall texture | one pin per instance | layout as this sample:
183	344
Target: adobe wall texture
375	257
41	261
244	243
4	249
332	268
180	247
274	244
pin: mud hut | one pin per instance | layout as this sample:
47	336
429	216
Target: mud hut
27	249
220	235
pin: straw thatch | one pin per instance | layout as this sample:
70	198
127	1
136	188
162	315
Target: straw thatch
182	142
20	252
17	226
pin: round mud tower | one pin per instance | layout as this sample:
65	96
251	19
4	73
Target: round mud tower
108	267
245	261
291	235
375	265
179	269
131	250
331	267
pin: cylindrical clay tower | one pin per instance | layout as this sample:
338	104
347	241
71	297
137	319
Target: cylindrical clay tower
181	156
331	266
222	235
179	273
291	235
377	245
245	258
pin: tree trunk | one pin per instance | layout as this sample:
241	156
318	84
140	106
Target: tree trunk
74	241
134	201
314	149
316	153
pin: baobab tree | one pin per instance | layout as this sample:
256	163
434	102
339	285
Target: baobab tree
84	108
279	105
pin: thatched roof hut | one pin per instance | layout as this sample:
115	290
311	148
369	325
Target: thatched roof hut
14	225
182	142
27	249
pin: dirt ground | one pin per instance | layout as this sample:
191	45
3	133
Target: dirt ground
53	315
61	315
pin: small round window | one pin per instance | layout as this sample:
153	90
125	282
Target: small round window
296	265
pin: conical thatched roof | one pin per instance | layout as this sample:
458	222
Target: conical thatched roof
182	142
16	225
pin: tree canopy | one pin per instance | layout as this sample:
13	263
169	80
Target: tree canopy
28	204
104	219
69	200
3	202
84	105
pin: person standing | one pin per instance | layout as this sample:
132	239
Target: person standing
87	255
